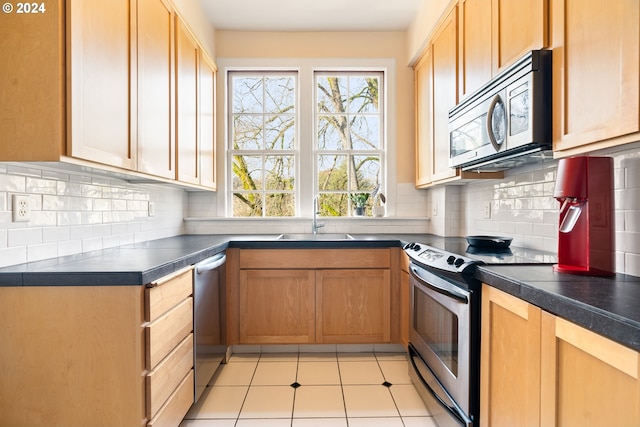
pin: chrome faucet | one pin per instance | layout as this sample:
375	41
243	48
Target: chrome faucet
316	224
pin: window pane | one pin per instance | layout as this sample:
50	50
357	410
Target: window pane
333	133
365	132
332	172
280	171
367	172
280	132
333	204
331	94
247	172
363	94
247	94
247	132
280	204
247	204
280	95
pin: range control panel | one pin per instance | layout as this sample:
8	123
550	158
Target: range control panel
439	259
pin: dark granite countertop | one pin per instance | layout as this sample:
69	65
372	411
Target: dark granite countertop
608	306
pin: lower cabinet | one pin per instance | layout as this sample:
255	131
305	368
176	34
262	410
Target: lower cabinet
169	383
540	370
310	296
107	356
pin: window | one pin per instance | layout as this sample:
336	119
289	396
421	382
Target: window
349	143
296	133
263	129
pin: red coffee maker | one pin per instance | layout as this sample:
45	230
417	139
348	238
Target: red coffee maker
584	188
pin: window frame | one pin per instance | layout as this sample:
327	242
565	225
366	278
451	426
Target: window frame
306	68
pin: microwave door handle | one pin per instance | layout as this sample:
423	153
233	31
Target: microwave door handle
492	137
439	285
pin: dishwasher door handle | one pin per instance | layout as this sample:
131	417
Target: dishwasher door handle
211	263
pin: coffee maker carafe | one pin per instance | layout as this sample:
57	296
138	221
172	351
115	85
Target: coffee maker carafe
584	188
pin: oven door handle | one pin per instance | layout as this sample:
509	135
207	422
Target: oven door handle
439	285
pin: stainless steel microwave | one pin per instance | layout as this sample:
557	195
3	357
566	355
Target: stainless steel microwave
506	122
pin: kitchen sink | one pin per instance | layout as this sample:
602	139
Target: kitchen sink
319	236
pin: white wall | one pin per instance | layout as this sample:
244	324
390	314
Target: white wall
76	212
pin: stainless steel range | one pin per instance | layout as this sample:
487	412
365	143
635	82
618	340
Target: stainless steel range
444	333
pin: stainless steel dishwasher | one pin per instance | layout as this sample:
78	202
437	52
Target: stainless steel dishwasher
209	319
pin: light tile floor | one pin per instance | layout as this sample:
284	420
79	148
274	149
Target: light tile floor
311	390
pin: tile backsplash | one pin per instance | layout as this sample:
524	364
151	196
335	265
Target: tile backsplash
73	213
522	206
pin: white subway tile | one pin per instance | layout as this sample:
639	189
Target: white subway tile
13	256
40	252
24	237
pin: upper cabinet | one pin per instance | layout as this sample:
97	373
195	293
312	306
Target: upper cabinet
206	120
596	74
436	93
101	77
475	45
156	130
494	34
95	83
517	28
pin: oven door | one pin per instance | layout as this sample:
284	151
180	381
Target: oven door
440	331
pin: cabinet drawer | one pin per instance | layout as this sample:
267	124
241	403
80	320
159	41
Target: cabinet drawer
166	377
165	333
172	413
315	258
167	293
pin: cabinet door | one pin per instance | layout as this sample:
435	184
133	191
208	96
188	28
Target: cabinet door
352	306
588	380
32	113
510	361
424	119
277	306
207	118
445	93
475	44
596	73
518	27
187	56
101	97
156	136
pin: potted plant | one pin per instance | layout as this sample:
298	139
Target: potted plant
359	200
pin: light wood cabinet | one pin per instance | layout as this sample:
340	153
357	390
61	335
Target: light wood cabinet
596	75
405	299
101	73
169	381
475	68
207	121
436	85
156	92
277	306
538	370
97	355
352	306
72	356
588	380
94	84
517	28
309	296
510	361
423	73
187	58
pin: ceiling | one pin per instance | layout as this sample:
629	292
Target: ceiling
311	15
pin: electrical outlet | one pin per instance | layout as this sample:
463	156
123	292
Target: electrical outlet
487	210
21	208
152	209
434	210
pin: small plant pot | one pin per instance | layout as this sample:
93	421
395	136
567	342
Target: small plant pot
378	211
358	211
